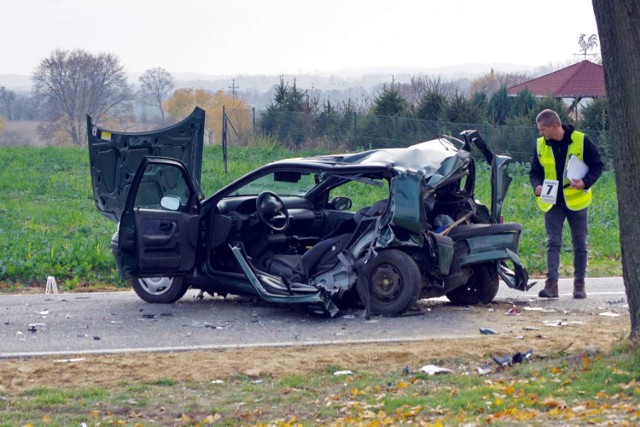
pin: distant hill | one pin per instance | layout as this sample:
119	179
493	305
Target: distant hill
365	78
16	82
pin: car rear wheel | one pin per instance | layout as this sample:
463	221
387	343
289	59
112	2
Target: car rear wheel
481	288
394	282
159	290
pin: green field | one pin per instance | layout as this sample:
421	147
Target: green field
50	226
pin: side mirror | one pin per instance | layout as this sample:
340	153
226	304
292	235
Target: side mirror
341	203
171	203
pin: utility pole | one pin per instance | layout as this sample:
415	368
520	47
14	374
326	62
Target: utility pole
233	88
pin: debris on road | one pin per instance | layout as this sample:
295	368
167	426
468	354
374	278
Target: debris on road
484	369
560	323
513	311
77	359
33	327
433	370
609	314
510	360
541	309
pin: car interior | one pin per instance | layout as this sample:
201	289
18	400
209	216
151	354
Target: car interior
317	228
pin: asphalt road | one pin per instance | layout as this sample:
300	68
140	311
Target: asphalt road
118	322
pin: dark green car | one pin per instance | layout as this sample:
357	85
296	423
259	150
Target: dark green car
381	228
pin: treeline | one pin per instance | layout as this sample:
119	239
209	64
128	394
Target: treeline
403	114
68	85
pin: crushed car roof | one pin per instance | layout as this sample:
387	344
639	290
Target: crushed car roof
435	158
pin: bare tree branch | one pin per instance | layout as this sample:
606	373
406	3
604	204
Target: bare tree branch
155	86
68	85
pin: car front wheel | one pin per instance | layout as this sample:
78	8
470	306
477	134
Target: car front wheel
481	288
394	282
159	290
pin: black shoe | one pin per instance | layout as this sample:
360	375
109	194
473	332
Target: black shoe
578	289
550	289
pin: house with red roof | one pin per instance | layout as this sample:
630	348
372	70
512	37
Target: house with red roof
574	83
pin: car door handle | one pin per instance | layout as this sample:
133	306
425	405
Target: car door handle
167	228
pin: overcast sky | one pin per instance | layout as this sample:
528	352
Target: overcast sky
246	37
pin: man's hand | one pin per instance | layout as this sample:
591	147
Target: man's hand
538	190
578	184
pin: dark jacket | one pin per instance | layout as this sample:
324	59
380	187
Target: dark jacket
591	157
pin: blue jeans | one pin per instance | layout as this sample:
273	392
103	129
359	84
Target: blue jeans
578	223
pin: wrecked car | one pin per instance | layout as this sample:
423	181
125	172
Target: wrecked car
381	228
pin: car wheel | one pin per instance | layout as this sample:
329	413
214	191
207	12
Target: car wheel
482	287
394	282
159	290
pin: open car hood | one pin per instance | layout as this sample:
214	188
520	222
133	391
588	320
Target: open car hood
115	157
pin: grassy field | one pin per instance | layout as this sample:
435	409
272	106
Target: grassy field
50	226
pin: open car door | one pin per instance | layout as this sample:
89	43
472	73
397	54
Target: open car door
158	233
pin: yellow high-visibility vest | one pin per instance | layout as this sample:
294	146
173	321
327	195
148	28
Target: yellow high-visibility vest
575	199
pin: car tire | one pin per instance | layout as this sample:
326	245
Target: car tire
481	288
394	282
159	290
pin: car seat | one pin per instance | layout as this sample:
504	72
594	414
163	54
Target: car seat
322	256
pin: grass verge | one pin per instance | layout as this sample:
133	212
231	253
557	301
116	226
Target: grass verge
560	389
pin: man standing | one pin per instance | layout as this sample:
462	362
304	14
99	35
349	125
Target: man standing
562	198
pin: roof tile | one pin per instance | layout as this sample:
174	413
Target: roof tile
583	79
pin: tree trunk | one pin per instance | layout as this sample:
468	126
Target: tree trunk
619	30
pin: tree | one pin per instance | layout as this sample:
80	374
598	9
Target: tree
68	85
288	117
390	103
523	103
499	107
618	24
554	104
7	103
288	98
431	105
595	115
16	105
481	102
494	81
155	86
184	100
423	85
461	110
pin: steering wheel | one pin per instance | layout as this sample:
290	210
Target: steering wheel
272	211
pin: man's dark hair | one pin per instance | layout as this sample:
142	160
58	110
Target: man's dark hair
548	117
